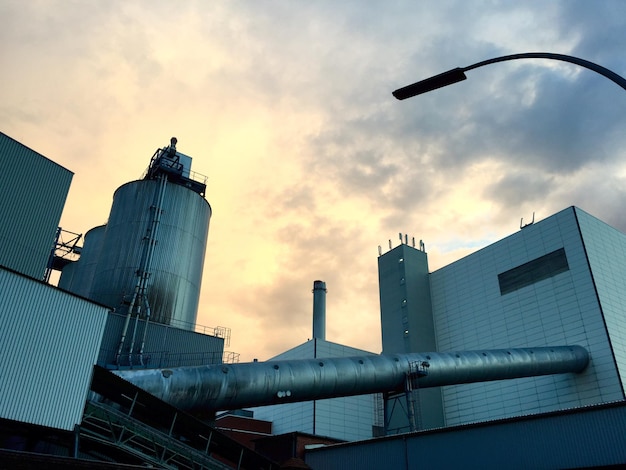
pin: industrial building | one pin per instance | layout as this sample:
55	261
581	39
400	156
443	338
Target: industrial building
512	356
127	299
558	281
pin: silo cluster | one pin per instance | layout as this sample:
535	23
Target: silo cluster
148	258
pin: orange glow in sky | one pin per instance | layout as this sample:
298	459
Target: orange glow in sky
311	163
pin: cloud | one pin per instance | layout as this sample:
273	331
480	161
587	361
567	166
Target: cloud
287	107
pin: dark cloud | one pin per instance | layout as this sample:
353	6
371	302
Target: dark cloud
536	119
599	28
519	185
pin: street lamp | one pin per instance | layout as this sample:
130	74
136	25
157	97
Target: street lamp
458	74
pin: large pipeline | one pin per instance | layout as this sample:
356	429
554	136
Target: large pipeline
232	386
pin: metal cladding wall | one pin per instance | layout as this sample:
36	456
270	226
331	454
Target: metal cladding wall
473	308
176	267
77	277
165	346
34	190
591	437
45	365
606	253
405	306
406	320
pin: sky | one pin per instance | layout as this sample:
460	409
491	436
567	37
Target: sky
286	107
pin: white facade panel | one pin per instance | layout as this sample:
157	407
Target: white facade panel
606	251
347	418
33	190
49	342
470	312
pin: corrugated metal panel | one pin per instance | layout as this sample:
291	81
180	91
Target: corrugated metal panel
178	259
585	438
373	454
165	346
49	341
36	188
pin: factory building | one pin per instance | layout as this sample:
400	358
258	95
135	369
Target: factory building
557	281
512	356
130	302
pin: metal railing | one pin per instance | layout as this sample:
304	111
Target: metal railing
163	359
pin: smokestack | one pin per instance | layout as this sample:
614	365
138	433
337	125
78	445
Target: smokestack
319	310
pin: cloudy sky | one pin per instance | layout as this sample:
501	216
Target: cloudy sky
286	106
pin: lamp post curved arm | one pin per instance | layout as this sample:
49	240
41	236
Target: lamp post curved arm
458	74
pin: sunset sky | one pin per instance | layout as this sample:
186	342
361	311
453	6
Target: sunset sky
286	106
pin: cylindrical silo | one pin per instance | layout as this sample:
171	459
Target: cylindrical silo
77	277
174	270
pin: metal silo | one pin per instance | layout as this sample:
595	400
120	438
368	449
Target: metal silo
77	277
152	255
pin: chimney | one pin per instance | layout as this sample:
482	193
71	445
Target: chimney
319	310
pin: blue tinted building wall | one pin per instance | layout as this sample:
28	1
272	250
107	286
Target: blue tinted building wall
407	326
471	312
588	438
606	252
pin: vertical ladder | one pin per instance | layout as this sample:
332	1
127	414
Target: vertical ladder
417	369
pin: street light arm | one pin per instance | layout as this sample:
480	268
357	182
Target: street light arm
458	74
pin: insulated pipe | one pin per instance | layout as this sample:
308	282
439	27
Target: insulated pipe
232	386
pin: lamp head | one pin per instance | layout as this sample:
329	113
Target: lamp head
430	84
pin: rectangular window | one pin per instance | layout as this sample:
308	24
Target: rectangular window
536	270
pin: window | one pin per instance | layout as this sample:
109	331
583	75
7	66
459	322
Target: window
536	270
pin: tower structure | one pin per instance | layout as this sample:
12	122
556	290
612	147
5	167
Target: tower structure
407	326
406	313
319	310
